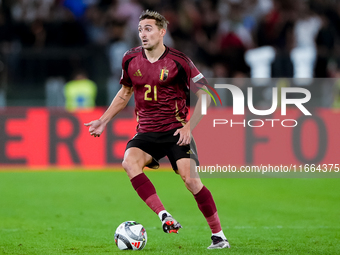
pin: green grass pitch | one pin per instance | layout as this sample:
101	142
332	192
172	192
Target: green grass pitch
77	212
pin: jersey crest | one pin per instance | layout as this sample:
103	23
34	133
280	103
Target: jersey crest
164	74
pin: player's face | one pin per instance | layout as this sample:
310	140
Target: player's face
150	35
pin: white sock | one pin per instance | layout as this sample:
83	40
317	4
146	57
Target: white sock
160	214
220	234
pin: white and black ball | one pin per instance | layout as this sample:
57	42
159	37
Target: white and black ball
130	235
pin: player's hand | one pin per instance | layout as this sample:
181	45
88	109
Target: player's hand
96	127
184	135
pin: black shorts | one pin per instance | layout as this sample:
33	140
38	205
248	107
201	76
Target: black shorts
161	144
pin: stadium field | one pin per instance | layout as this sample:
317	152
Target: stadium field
77	212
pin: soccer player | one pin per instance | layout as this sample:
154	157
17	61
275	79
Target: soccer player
159	77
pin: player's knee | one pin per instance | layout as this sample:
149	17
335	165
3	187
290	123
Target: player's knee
132	168
192	184
128	164
132	164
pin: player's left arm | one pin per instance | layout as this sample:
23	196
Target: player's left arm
185	132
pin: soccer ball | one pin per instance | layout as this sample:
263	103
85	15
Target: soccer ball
130	235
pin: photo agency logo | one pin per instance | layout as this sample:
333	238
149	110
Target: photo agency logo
239	105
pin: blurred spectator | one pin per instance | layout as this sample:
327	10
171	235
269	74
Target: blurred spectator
5	29
220	69
30	10
40	39
184	22
80	93
325	41
205	23
95	25
306	26
116	49
234	40
77	7
117	45
72	32
276	29
130	11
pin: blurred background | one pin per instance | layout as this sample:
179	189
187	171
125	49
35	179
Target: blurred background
45	44
57	56
61	56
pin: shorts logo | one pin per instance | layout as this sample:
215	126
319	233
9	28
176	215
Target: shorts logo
163	74
190	152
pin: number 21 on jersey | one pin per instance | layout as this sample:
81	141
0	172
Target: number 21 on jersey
149	91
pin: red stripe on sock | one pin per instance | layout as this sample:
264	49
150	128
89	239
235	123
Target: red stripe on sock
214	223
207	206
145	189
154	203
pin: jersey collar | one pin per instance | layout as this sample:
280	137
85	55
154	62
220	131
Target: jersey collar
161	57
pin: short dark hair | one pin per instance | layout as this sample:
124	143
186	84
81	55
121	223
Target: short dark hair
161	21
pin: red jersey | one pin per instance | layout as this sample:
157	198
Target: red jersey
160	88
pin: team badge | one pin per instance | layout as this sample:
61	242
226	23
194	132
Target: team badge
164	74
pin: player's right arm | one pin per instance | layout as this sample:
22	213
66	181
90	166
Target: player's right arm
96	127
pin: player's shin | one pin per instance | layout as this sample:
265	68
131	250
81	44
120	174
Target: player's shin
207	206
147	192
